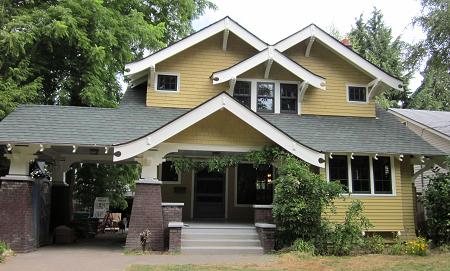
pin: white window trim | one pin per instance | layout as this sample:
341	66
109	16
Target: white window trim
276	97
356	85
372	178
235	185
168	182
155	87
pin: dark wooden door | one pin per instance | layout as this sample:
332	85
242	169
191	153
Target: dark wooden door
209	195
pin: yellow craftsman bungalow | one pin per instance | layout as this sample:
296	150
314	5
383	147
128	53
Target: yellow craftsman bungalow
219	91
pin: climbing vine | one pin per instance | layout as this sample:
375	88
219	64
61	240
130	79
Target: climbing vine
267	155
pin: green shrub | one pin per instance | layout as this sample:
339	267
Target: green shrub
300	199
347	237
437	203
3	249
373	244
306	247
418	247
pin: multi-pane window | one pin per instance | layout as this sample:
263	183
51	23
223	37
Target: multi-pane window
357	94
265	97
382	175
168	172
167	82
242	92
338	170
288	99
360	175
254	186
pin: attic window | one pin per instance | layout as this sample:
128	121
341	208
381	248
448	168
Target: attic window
357	94
242	92
167	82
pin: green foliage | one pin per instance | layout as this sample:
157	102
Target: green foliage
418	247
373	40
373	244
300	199
108	180
303	247
437	203
398	248
71	51
347	236
434	93
3	249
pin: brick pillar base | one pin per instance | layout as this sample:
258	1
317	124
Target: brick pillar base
266	234
175	236
17	225
146	213
172	212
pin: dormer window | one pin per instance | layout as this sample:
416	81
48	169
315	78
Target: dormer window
357	93
265	97
242	92
288	98
167	82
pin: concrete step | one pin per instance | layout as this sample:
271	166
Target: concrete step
210	236
219	230
221	250
220	243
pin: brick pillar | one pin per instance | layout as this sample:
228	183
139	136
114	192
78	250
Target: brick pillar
146	213
17	221
263	214
266	234
175	236
172	212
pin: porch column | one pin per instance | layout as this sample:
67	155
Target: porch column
147	211
18	216
60	195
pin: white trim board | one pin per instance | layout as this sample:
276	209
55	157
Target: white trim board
266	55
336	46
224	24
221	101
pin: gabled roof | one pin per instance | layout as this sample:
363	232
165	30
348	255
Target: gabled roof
347	53
437	122
224	24
268	55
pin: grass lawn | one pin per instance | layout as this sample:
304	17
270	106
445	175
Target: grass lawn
289	261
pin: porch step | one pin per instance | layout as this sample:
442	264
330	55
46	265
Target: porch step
215	238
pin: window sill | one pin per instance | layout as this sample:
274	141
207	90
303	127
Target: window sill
368	195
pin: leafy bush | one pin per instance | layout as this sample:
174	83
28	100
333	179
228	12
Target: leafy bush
437	203
304	247
300	199
347	236
3	249
399	248
373	244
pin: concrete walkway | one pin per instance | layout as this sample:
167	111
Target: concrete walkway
108	255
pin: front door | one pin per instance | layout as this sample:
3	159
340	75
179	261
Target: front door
209	195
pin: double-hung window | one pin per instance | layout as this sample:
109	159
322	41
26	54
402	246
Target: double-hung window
242	92
360	175
288	99
265	97
382	175
338	170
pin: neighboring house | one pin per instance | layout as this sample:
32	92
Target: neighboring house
223	90
434	127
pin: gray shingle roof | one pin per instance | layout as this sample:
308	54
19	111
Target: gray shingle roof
436	120
102	126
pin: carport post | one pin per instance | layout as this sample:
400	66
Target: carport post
18	227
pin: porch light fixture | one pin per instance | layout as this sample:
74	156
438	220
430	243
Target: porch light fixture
400	158
74	149
9	147
269	178
376	156
351	156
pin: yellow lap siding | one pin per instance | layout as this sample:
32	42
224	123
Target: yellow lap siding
221	128
338	73
195	66
387	213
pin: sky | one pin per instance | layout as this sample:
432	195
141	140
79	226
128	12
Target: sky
273	20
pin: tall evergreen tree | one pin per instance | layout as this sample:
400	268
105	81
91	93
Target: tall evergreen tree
434	92
373	40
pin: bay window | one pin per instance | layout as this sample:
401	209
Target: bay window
339	170
382	175
360	175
